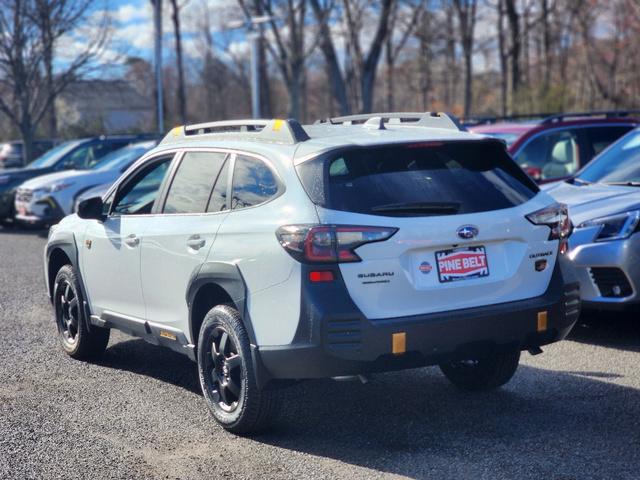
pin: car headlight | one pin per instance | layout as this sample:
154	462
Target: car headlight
614	227
4	179
59	186
39	193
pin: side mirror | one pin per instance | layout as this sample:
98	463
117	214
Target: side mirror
91	209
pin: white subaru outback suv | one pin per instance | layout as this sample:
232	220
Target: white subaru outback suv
268	251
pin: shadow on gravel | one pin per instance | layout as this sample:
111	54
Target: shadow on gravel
609	329
545	424
138	356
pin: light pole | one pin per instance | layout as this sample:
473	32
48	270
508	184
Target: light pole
253	27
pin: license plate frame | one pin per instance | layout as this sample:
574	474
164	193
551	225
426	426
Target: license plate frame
468	269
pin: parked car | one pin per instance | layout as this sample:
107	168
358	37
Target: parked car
557	147
604	202
74	154
45	200
280	252
12	153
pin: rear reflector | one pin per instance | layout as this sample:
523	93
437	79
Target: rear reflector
322	276
399	343
542	321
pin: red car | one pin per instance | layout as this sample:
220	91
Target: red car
558	146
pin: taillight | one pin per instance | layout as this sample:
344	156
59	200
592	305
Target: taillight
329	243
556	217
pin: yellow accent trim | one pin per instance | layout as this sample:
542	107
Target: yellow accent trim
277	125
399	343
168	335
542	321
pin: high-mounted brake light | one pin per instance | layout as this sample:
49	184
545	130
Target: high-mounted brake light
556	217
329	243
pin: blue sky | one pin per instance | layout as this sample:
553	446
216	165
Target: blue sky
132	22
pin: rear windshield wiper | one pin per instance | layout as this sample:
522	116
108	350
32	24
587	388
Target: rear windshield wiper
422	208
624	184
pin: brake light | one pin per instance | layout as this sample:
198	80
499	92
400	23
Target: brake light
321	276
556	217
329	243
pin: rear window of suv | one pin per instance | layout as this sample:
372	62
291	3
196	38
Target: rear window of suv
437	178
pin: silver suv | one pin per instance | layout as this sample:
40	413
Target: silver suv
266	251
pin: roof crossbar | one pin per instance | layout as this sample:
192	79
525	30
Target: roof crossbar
271	131
412	119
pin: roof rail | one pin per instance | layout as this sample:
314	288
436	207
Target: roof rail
272	131
413	119
475	120
603	113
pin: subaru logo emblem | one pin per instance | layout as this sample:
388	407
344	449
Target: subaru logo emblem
467	232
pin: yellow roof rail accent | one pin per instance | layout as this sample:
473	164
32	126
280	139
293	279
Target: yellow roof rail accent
272	131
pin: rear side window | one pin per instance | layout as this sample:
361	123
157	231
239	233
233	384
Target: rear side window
601	137
418	180
253	183
192	184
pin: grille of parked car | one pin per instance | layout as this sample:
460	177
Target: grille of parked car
612	282
24	195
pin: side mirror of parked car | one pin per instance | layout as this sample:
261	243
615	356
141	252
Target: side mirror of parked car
91	208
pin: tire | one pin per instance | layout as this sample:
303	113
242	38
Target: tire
77	340
485	373
227	375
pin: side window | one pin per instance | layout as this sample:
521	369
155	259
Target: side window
192	184
78	158
218	200
253	183
99	150
600	137
138	195
551	155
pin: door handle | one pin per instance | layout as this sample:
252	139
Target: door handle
132	240
195	242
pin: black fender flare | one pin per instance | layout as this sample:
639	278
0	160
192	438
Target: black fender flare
66	242
228	277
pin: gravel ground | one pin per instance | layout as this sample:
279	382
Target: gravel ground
571	413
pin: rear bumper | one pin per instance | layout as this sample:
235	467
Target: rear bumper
338	340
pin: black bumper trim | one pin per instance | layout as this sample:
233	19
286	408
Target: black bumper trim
344	342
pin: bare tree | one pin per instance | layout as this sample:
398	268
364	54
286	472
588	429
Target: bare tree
322	11
502	58
175	18
513	20
27	57
466	10
405	23
290	50
362	65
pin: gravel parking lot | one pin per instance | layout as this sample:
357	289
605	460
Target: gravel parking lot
571	413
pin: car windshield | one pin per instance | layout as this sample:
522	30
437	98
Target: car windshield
508	137
122	158
618	164
54	155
